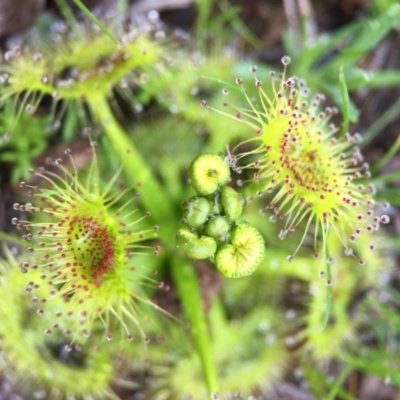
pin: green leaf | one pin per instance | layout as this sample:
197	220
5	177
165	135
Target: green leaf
96	21
345	101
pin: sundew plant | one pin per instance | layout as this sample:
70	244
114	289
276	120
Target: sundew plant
203	212
314	177
85	251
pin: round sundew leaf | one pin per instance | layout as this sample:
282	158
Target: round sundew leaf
196	211
197	248
232	202
218	228
207	173
244	254
83	65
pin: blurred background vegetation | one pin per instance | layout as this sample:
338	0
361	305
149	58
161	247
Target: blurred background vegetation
258	337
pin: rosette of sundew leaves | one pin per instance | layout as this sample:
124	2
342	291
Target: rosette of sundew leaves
81	70
143	53
212	221
79	63
313	176
308	171
37	361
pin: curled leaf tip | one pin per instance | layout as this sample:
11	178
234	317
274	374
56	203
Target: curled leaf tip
195	247
208	173
243	255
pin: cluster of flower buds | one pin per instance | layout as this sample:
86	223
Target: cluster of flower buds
212	226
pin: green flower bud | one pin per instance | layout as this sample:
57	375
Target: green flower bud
196	211
218	228
195	247
207	173
215	203
244	254
233	202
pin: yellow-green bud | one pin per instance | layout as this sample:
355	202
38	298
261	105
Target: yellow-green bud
208	173
218	228
244	254
196	211
215	204
195	247
232	202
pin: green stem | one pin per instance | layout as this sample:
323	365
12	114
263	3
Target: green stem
188	286
339	382
239	26
384	120
4	236
329	290
66	12
135	167
217	317
345	98
387	157
386	178
95	20
204	8
122	6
